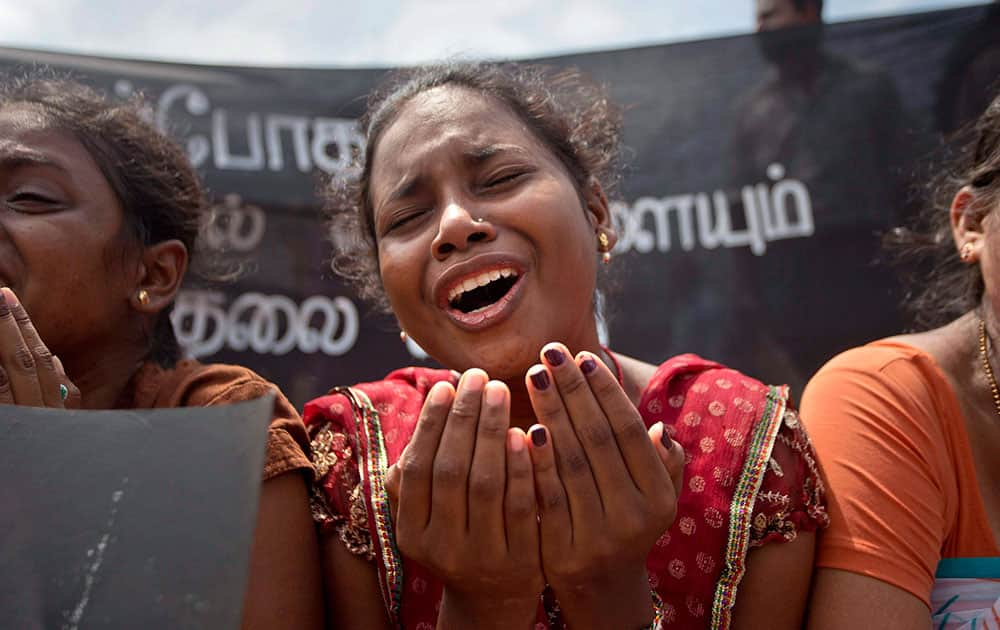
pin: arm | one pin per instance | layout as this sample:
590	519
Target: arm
353	599
789	509
284	589
775	589
873	603
879	438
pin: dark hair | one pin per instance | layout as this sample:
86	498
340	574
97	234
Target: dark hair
939	286
160	194
571	115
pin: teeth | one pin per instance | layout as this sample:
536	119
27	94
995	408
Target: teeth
480	280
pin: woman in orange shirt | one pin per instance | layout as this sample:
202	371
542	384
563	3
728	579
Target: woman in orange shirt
908	431
99	217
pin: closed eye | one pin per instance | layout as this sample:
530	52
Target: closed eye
504	178
404	217
32	202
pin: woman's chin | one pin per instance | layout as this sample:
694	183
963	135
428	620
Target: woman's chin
503	357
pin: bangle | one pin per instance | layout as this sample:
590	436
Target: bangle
657	623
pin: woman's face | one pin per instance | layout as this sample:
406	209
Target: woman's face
58	223
485	248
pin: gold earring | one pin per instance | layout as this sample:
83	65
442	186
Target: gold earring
605	247
966	253
143	297
403	336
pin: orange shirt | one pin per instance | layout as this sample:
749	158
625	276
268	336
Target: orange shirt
194	384
901	483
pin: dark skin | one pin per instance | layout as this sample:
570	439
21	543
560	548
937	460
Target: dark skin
71	314
459	186
955	349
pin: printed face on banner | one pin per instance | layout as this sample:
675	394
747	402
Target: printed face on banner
777	14
59	221
485	248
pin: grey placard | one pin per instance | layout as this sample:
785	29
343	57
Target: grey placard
128	519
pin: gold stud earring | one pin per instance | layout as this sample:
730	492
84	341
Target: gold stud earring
143	297
966	253
604	247
403	336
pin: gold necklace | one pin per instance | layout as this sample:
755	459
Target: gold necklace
986	366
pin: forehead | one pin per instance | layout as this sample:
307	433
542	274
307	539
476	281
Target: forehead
449	119
27	136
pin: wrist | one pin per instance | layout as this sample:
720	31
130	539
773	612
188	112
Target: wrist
621	603
465	610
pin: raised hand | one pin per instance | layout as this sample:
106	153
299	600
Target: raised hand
30	374
466	505
607	489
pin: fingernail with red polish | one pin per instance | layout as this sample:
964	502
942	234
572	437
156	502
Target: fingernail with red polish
554	356
538	436
665	439
540	379
588	365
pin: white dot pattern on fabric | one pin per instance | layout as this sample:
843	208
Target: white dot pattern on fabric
733	437
687	526
713	517
697	483
677	568
694	606
705	562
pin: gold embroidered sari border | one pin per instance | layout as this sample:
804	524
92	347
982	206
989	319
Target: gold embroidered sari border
741	508
372	466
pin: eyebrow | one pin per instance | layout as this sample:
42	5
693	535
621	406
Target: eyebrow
14	155
479	155
475	156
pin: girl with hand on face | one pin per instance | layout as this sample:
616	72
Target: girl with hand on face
100	215
908	428
546	481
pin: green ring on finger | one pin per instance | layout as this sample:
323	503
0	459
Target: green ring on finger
63	391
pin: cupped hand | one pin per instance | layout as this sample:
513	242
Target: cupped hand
607	489
30	374
465	505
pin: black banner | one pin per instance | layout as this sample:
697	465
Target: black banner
750	217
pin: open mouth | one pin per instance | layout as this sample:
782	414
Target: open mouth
483	290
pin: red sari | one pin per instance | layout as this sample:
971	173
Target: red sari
750	479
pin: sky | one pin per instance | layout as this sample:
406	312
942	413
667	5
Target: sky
383	32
